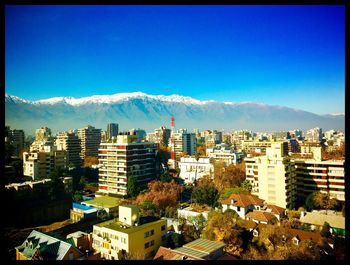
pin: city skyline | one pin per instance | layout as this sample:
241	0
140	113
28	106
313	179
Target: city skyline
205	52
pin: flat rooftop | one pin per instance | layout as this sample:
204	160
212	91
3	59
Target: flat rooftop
103	202
122	227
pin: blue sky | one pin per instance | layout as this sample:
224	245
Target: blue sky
279	55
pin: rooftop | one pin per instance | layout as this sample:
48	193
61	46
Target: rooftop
171	254
276	209
48	246
316	218
261	216
123	228
103	202
243	200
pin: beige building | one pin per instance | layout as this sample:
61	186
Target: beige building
90	139
69	142
223	152
273	176
317	175
138	237
39	164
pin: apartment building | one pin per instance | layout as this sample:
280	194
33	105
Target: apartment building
160	136
40	163
314	135
122	158
90	139
129	234
253	146
317	175
223	152
69	142
16	139
273	176
191	169
43	136
112	130
184	142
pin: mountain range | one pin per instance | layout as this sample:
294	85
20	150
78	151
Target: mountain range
140	110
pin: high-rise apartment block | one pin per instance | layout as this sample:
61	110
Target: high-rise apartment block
112	130
43	136
90	139
16	139
317	175
123	158
184	142
222	152
314	135
69	142
160	136
273	176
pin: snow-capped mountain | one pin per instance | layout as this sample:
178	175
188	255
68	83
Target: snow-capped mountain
146	111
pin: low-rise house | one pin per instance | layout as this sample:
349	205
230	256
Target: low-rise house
261	217
138	237
317	219
40	246
200	249
277	211
242	204
247	224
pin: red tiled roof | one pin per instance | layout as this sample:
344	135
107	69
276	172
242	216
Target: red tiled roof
305	235
243	200
261	216
227	256
248	224
276	209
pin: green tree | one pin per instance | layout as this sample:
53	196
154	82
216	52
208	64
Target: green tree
325	231
246	185
309	202
78	196
205	195
166	177
132	186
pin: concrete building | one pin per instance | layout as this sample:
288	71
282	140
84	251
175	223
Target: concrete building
112	130
317	175
16	139
69	142
90	139
130	234
191	214
140	134
273	176
191	169
122	158
253	146
223	152
314	135
160	136
43	137
242	204
40	164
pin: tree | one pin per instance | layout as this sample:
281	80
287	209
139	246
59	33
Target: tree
227	192
132	186
201	150
323	201
78	196
228	176
246	185
166	177
90	160
148	208
325	231
56	186
309	202
161	194
205	195
174	240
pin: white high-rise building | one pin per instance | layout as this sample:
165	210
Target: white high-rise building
273	176
69	142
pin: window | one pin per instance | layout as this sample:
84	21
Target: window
163	228
238	208
147	245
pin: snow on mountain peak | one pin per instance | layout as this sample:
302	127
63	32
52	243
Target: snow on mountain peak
100	99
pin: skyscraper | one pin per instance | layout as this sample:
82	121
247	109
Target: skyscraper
69	142
112	130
